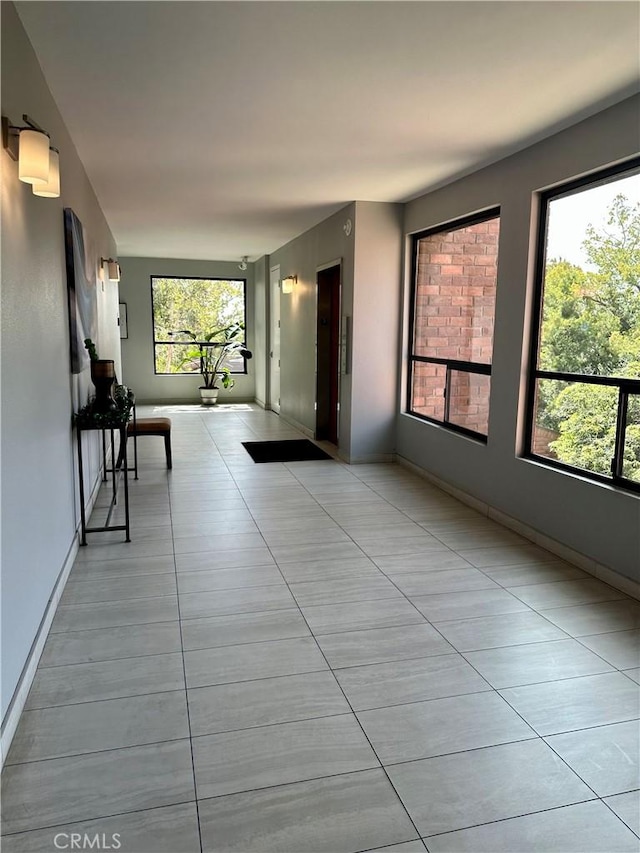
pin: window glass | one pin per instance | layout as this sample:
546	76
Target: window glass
454	297
428	390
591	287
468	398
631	454
199	305
456	293
576	423
587	360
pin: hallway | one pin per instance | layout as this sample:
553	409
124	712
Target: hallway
311	657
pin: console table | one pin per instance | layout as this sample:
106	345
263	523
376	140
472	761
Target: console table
110	422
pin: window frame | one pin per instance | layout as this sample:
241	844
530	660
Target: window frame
626	386
451	364
244	371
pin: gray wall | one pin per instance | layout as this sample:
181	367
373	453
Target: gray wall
39	492
321	245
370	257
137	349
39	509
376	325
601	522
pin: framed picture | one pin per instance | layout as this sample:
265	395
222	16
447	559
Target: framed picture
81	291
122	320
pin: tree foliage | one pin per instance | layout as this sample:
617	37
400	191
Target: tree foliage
200	305
591	325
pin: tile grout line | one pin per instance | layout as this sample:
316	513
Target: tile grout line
539	737
184	675
490	687
313	635
353	714
511	817
100	817
495	690
97	752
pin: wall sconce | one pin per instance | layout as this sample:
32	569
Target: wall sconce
38	162
113	268
288	283
52	188
243	263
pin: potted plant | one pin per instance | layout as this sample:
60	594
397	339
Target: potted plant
212	355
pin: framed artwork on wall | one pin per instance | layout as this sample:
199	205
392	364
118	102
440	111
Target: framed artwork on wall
81	292
122	320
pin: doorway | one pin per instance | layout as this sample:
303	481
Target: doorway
274	339
328	354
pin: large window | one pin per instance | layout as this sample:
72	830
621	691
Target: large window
452	316
584	396
199	305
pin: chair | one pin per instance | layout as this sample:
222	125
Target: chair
148	426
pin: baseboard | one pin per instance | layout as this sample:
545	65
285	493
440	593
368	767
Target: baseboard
367	458
294	423
19	698
564	552
190	401
372	458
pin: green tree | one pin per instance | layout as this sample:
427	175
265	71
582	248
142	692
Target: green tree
616	254
591	325
586	416
200	305
576	331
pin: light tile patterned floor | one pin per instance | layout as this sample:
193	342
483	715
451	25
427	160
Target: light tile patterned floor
318	658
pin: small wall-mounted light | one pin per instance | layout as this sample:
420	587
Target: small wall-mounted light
243	263
113	268
288	283
52	188
38	161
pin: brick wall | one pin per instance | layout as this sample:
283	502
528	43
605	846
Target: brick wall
428	389
469	401
454	317
542	438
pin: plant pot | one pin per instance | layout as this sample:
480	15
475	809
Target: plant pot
209	396
103	375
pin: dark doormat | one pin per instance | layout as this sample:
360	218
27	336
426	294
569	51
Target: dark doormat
284	451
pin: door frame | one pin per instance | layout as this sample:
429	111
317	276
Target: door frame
274	284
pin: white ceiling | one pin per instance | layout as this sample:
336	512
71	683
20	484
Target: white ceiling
221	129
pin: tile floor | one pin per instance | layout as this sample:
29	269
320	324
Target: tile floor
313	657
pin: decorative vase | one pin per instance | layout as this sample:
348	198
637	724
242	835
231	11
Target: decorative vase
103	375
209	396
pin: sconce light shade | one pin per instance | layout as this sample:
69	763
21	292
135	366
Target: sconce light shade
113	268
33	164
52	188
288	283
